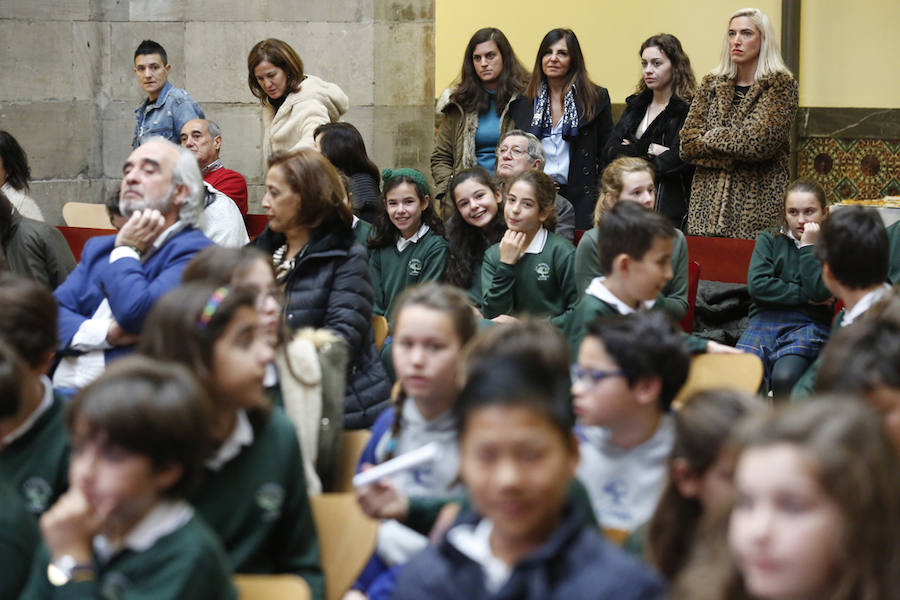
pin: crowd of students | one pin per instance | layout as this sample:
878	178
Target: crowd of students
544	373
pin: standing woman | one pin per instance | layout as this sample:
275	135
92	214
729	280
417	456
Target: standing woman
737	133
571	116
649	127
324	272
294	103
14	176
476	111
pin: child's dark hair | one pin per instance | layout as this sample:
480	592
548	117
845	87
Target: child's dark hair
151	47
15	162
524	381
808	186
12	374
544	193
629	228
644	345
854	243
342	144
702	427
221	266
468	243
28	318
112	205
446	299
149	407
384	233
530	337
185	324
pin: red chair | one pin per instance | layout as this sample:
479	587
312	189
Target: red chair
722	259
577	236
77	237
255	224
687	323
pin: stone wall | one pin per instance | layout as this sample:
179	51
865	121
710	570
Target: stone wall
69	89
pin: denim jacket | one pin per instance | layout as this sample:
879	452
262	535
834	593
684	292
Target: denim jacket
173	108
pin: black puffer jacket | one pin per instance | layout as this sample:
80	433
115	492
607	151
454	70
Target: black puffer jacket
673	176
330	287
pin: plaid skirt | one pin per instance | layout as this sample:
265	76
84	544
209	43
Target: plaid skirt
772	334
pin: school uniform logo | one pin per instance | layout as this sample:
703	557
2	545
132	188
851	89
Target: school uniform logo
543	271
37	494
414	267
270	498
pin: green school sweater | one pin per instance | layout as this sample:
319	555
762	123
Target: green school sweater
187	563
784	277
475	290
804	386
361	233
18	539
589	308
37	464
674	296
258	506
539	284
894	268
393	271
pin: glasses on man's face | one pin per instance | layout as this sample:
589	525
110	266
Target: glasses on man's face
275	294
592	377
516	151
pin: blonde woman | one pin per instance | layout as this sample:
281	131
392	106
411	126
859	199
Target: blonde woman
737	133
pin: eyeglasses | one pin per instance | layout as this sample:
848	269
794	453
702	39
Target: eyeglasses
592	377
517	151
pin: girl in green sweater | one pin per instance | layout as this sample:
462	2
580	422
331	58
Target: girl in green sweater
407	244
792	308
530	270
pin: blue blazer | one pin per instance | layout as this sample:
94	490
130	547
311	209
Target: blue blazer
132	287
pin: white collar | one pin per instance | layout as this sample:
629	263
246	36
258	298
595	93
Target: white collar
597	288
864	304
241	435
538	241
27	424
165	517
474	542
403	243
790	235
355	222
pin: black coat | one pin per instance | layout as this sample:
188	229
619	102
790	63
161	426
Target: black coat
585	153
330	287
673	176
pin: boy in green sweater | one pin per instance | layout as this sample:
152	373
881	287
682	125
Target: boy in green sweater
635	249
123	529
35	457
18	530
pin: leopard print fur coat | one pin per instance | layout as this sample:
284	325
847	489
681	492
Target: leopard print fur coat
741	152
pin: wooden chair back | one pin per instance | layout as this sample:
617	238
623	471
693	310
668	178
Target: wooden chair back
346	539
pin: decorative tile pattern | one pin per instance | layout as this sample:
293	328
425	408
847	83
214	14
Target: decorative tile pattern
851	168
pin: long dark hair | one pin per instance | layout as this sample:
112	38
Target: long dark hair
14	162
470	93
586	94
384	233
343	145
683	81
468	243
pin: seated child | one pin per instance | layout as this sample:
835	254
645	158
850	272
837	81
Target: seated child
254	491
791	307
123	529
524	539
35	457
635	248
815	514
632	179
406	246
530	269
18	529
629	369
853	247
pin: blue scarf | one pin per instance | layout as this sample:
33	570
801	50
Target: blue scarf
542	122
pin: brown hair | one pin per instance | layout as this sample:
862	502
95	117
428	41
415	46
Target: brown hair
586	94
317	183
544	192
221	265
470	94
28	319
12	374
612	182
149	407
281	55
684	84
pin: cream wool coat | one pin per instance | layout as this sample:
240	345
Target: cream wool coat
291	128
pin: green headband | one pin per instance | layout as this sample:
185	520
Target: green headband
407	172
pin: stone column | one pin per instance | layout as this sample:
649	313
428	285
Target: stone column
69	89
